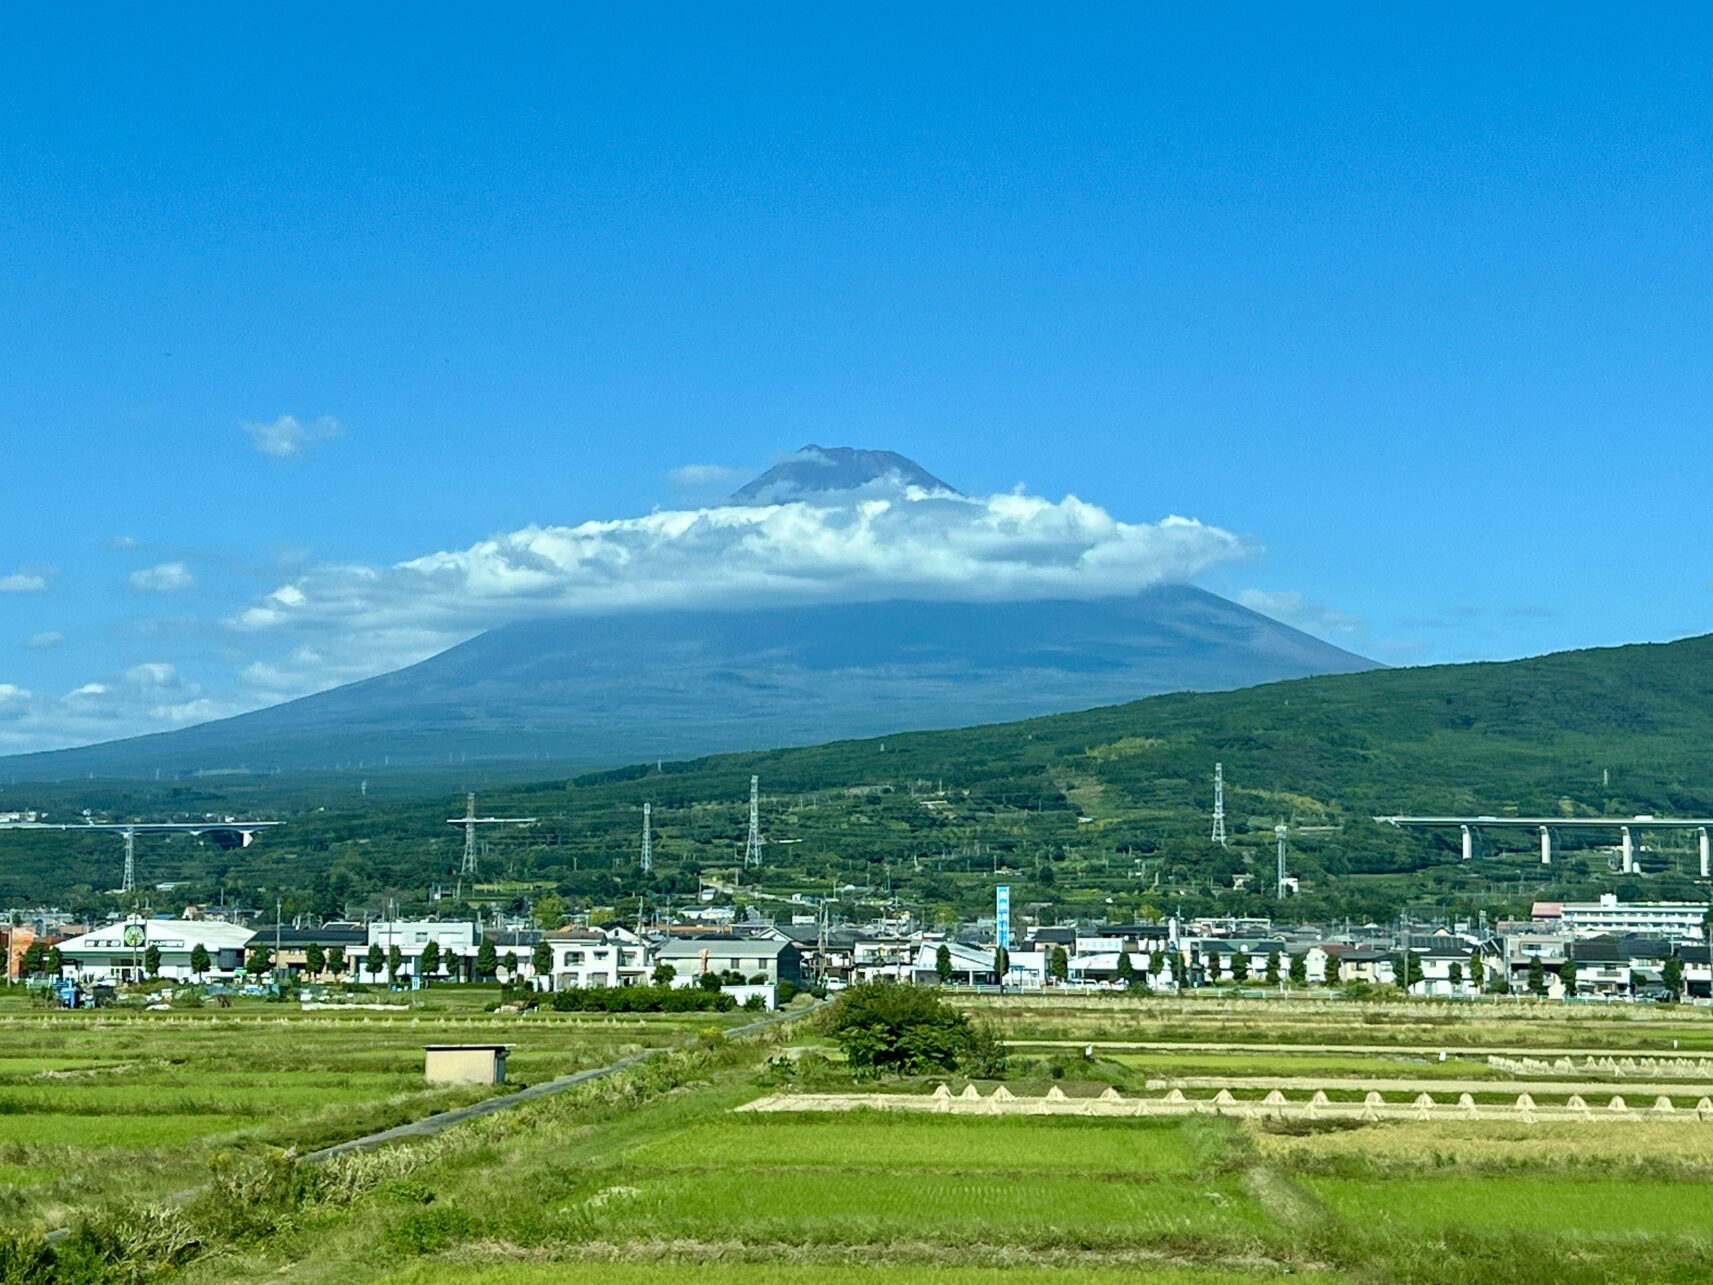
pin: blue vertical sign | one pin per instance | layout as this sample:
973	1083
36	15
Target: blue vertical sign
1002	915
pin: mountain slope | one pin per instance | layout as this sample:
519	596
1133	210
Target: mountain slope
681	684
1103	811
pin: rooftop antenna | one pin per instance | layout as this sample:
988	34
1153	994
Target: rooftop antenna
470	821
752	845
1219	804
647	838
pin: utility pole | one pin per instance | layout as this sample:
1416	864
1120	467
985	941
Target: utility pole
1219	804
1279	832
752	845
470	821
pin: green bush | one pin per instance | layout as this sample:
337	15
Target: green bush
429	1230
25	1259
641	999
905	1030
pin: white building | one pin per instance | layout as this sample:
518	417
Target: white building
1672	920
117	951
598	957
410	936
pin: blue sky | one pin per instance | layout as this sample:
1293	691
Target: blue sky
1413	304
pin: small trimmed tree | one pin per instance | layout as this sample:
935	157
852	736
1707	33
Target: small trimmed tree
1329	970
336	960
1240	966
1477	970
1567	977
35	958
1213	966
56	962
663	974
428	966
509	962
542	959
200	962
374	961
1272	968
152	960
943	963
1180	969
1156	963
1672	975
1060	964
1126	970
1299	971
1537	976
395	964
314	959
1455	972
487	959
261	959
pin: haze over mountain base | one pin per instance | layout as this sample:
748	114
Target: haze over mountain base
617	689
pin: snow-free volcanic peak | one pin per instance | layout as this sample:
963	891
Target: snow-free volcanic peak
813	471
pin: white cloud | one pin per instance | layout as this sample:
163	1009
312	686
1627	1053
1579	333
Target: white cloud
287	436
122	542
154	673
1303	613
47	638
696	477
153	696
168	577
916	546
23	582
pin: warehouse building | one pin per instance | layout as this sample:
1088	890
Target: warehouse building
117	952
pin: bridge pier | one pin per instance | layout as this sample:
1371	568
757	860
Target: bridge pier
1629	863
1546	846
1468	843
1704	853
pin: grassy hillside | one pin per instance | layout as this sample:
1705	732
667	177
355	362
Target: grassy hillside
1101	810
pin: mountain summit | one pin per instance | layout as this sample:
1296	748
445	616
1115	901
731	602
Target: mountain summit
813	471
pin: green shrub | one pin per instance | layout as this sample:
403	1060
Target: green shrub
25	1259
903	1030
429	1230
641	999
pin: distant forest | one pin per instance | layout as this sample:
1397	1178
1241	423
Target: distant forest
1102	813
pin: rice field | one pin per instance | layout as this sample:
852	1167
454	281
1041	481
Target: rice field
656	1175
96	1106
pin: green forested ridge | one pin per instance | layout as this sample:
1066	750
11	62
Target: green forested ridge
929	816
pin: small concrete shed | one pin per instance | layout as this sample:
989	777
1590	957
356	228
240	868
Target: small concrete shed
465	1063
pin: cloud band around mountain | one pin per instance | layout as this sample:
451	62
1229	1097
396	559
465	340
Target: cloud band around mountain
917	545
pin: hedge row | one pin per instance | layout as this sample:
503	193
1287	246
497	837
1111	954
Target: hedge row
641	999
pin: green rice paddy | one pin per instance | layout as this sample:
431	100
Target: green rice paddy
103	1105
654	1176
